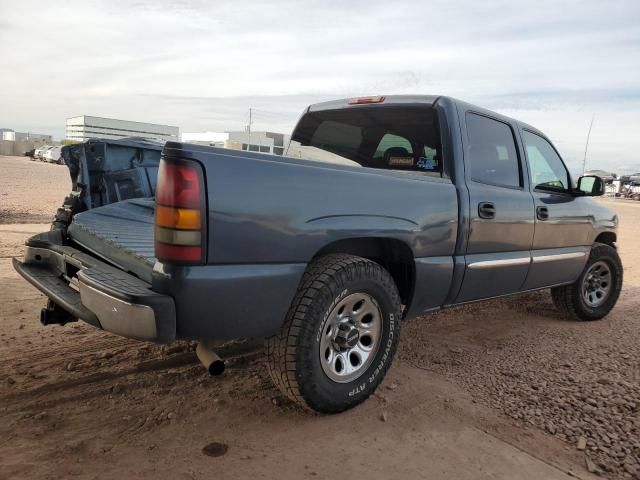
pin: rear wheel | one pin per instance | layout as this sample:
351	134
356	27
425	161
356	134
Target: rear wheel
340	336
596	291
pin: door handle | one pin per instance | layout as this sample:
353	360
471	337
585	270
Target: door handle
542	213
486	210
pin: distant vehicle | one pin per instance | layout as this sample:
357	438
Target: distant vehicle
30	153
39	152
410	204
54	154
607	177
43	157
630	187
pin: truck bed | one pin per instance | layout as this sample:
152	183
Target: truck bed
121	233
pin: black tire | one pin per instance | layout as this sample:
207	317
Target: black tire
293	356
569	299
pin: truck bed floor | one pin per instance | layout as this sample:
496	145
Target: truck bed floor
121	233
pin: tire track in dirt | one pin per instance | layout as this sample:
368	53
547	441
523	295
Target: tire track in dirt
64	391
73	351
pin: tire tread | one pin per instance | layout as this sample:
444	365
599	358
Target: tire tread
568	298
323	276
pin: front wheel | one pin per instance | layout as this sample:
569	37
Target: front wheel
340	335
596	291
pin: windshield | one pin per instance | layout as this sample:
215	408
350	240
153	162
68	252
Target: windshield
392	138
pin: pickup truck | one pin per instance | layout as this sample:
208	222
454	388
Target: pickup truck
383	209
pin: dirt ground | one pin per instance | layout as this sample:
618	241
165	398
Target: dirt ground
31	191
504	389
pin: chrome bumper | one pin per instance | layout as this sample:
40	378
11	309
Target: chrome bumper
96	292
120	317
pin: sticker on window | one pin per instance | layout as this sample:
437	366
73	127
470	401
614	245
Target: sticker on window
426	163
401	161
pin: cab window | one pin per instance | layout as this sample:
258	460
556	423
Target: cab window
385	137
545	165
492	150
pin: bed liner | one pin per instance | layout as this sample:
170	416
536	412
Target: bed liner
121	233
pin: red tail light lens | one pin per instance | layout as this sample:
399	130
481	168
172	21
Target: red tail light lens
180	233
178	186
178	253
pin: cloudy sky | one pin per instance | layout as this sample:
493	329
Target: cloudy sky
200	65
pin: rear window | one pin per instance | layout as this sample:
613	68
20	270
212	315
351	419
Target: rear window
391	138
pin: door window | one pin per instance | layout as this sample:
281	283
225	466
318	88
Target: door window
546	167
494	158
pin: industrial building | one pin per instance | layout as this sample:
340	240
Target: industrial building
17	143
265	142
11	136
84	127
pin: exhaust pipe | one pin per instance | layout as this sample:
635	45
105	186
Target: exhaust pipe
210	360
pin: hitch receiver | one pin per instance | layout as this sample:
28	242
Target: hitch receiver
55	315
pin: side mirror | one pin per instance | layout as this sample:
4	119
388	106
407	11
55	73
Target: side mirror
590	186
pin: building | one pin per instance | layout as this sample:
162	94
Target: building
84	127
264	142
11	136
18	143
211	139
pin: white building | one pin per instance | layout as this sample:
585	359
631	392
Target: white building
211	139
84	127
264	142
11	136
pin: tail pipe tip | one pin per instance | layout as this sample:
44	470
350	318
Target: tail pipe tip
210	360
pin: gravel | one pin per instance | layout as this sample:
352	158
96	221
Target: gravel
578	382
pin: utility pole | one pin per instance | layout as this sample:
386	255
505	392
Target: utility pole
249	127
586	146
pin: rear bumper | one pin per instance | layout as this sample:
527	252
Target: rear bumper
203	302
96	292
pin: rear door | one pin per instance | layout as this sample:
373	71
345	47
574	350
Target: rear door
562	222
501	209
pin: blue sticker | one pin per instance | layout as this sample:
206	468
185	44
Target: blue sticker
426	163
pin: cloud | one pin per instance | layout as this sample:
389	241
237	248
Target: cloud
202	64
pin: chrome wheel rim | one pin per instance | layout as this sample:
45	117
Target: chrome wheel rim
350	337
596	285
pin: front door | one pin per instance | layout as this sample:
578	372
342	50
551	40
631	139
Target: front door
562	222
501	211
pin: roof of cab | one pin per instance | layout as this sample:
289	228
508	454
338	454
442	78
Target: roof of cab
417	100
388	99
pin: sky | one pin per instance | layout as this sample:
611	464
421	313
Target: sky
201	65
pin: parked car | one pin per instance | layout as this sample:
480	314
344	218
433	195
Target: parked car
410	204
44	158
53	154
630	187
40	151
30	153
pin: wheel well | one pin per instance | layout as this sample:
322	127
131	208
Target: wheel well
394	255
608	238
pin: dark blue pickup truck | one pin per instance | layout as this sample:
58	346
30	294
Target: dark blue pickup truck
383	209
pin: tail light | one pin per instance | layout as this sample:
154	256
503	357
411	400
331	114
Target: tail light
366	100
181	220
